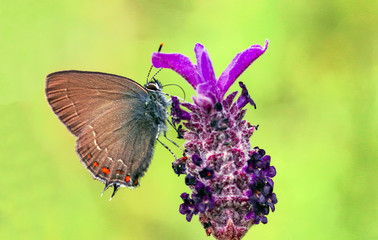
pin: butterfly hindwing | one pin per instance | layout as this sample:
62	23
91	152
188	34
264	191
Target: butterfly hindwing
118	152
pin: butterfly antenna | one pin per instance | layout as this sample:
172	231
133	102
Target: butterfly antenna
153	77
148	75
172	84
160	47
149	71
169	95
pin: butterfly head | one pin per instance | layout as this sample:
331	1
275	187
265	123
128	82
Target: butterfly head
153	85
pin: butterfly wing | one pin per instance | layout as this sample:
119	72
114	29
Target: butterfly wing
107	113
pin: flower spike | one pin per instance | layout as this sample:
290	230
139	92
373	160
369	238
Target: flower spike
231	183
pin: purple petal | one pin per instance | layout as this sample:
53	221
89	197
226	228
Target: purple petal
189	216
207	85
271	205
178	63
228	101
189	106
184	196
177	113
197	160
183	209
209	91
199	186
271	172
201	207
256	220
204	102
249	193
244	97
266	158
240	63
267	190
205	68
250	215
273	198
270	181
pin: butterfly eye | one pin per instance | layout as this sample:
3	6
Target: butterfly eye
152	86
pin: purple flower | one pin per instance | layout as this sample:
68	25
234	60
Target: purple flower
207	173
231	183
179	167
187	208
244	97
177	113
190	180
196	160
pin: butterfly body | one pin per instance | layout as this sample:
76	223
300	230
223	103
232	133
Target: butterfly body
116	122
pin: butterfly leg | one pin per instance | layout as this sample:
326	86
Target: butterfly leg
166	148
178	130
165	135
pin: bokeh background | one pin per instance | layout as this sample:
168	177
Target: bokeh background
315	88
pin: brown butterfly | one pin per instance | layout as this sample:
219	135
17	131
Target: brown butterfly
115	119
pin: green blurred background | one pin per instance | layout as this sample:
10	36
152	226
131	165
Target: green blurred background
314	88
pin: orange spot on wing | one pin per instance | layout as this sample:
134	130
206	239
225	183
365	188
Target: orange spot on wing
105	170
136	182
95	164
127	178
90	156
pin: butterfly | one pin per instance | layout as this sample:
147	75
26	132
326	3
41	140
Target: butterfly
115	119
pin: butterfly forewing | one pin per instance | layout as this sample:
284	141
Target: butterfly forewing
78	97
107	113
